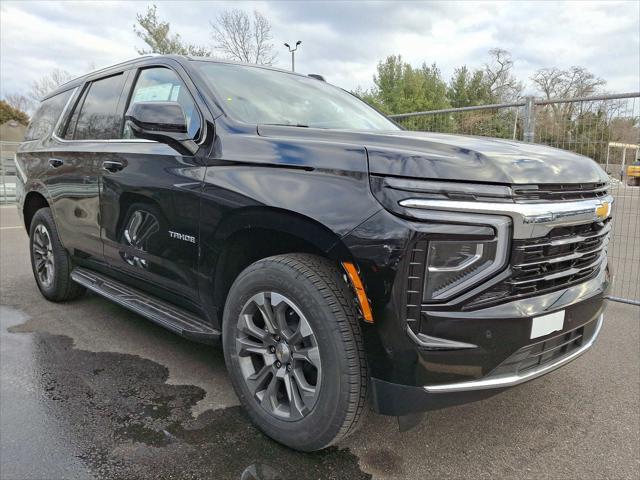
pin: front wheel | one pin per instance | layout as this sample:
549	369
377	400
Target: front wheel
294	351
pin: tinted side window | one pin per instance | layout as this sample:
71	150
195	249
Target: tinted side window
163	85
46	117
73	119
98	118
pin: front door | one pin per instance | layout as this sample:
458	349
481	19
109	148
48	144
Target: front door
150	200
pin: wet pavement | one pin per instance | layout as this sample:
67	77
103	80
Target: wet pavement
90	390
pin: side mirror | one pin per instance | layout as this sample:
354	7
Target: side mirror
163	122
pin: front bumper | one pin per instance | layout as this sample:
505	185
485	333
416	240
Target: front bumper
398	399
410	375
518	377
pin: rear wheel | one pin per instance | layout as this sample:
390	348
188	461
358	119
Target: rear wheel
50	262
294	350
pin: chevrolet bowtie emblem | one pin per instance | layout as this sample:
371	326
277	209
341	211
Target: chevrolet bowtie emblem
603	210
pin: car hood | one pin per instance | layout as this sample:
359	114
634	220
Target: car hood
457	157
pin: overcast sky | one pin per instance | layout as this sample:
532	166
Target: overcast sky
341	40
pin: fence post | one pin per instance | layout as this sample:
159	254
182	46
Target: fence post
2	179
529	121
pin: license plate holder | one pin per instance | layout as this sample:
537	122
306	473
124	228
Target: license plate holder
546	324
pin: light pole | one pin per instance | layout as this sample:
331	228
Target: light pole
293	54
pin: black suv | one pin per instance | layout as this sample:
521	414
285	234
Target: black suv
339	259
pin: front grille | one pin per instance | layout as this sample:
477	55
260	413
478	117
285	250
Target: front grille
543	353
555	192
565	257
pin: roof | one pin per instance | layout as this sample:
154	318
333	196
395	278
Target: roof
245	64
81	79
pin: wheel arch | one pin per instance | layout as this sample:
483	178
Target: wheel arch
258	232
33	201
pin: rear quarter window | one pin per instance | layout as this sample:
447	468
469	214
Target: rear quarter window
47	115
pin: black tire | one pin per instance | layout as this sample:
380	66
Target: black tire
60	288
318	288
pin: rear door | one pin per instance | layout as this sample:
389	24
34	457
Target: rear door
72	164
150	198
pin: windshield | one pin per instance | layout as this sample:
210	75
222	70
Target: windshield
269	97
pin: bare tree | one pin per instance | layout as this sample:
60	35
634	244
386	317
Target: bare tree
40	88
574	82
499	77
37	91
242	38
18	101
555	83
156	34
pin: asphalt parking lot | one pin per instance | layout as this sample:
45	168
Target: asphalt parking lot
90	390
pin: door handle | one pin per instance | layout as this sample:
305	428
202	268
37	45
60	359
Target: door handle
56	162
112	167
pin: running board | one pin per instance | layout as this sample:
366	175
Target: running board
158	311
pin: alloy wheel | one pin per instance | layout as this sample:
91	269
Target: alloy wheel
279	356
43	255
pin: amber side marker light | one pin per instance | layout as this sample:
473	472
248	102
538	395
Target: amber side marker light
354	278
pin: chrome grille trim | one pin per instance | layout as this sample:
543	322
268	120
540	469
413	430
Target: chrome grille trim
562	273
555	245
559	192
568	240
530	220
566	255
564	258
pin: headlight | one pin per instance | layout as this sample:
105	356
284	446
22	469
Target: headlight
454	265
478	245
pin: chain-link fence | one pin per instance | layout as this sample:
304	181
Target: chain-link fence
605	128
8	171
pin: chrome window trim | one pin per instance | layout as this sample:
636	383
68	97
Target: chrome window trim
65	110
529	219
111	140
203	122
512	380
60	115
63	114
55	136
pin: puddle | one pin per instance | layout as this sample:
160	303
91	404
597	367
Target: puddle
97	325
383	462
126	422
